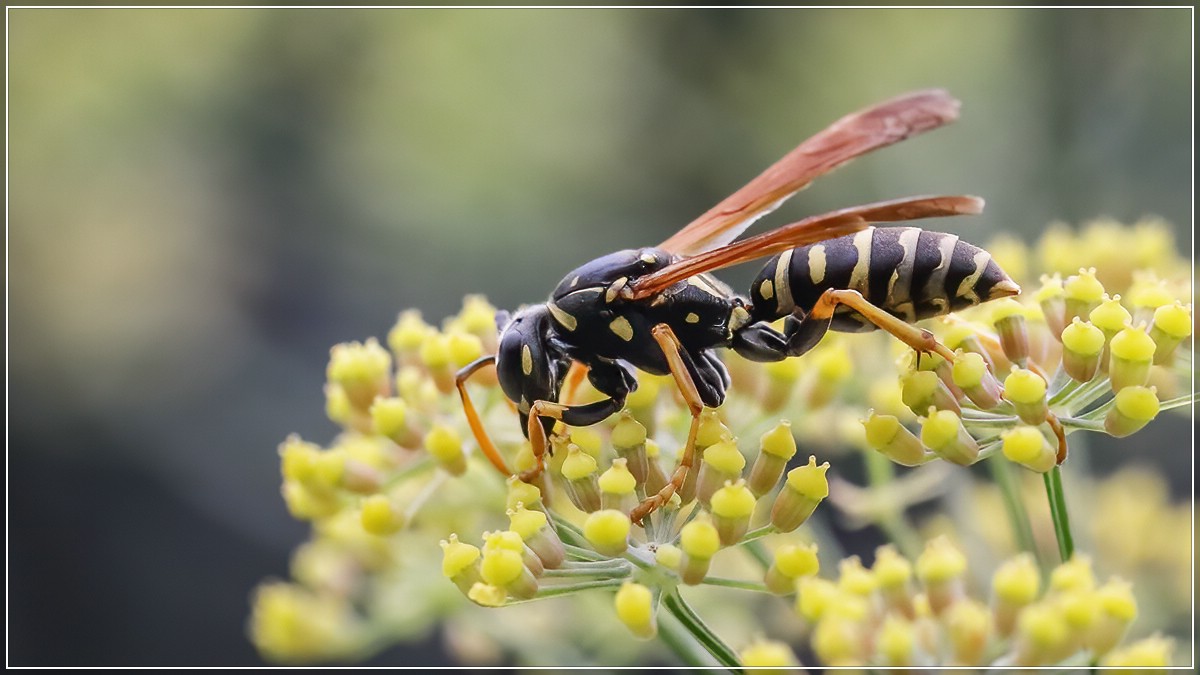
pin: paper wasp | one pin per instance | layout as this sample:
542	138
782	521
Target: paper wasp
659	310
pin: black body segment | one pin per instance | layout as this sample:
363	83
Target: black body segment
910	273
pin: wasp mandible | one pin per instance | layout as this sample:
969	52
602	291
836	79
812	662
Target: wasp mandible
659	309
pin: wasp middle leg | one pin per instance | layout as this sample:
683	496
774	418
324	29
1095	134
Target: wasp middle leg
700	384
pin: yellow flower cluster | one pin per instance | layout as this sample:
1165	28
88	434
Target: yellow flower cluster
922	614
1088	350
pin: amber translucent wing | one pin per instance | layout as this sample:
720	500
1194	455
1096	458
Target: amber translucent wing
853	135
808	231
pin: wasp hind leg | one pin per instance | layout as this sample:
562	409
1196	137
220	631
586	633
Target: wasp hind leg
760	342
700	384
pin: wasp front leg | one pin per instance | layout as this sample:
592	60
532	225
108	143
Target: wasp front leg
608	378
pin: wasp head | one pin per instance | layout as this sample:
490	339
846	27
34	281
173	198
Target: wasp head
530	364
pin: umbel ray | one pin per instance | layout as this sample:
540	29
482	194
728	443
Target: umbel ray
659	309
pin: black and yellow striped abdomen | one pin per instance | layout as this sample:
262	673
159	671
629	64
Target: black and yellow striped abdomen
908	272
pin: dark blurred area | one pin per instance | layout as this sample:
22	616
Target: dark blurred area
202	202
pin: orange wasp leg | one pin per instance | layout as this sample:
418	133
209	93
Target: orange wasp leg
481	436
671	347
918	338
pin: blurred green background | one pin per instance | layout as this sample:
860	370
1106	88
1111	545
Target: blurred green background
203	201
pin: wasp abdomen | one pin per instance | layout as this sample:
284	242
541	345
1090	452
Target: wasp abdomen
909	272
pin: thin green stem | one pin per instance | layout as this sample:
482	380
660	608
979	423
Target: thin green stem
758	552
678	640
584	553
757	533
1018	518
692	622
611	572
567	589
736	583
1058	512
1177	402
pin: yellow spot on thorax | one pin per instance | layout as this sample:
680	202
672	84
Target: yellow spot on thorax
526	360
767	289
621	328
692	317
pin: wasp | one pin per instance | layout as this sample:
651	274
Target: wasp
660	310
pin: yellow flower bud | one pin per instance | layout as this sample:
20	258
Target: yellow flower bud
1110	316
487	595
1082	293
1133	408
971	373
731	508
897	643
460	562
941	568
445	445
1017	581
362	370
579	468
944	434
699	541
887	436
1131	353
1172	325
409	333
1083	345
766	654
668	555
969	627
379	516
839	642
854	578
1152	652
814	597
617	487
608	531
1042	637
520	492
1051	298
792	561
1008	316
776	447
635	608
463	348
1117	608
1026	390
533	527
1073	575
803	490
923	389
1028	446
721	462
629	440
